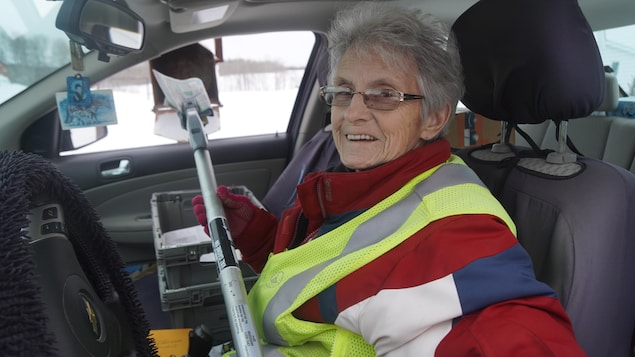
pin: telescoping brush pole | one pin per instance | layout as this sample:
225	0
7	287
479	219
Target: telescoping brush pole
243	331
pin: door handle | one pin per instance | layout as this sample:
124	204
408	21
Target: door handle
115	168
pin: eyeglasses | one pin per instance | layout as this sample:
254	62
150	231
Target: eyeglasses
374	98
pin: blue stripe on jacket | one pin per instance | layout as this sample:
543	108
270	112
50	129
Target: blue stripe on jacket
506	275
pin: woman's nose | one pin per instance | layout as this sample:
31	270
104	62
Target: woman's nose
357	98
357	109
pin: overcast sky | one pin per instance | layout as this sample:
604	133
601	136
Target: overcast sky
273	46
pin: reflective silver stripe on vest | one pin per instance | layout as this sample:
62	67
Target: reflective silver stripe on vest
368	233
271	351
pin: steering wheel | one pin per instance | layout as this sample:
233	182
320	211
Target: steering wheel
82	323
64	291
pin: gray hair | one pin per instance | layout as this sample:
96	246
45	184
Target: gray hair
399	36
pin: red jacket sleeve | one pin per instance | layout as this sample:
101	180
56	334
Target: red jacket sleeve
536	326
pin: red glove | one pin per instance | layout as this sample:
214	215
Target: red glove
239	210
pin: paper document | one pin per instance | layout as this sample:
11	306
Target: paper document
190	236
185	236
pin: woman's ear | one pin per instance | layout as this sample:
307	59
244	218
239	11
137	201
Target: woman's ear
435	122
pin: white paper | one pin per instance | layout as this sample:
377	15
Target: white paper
191	236
185	236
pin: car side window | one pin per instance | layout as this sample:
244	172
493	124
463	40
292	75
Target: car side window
617	47
257	77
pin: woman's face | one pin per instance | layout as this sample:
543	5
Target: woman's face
365	137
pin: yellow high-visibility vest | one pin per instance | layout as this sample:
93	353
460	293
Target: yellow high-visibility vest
292	277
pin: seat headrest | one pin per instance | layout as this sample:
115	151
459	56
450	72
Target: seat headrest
611	94
527	61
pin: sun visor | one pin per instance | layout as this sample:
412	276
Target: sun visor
186	16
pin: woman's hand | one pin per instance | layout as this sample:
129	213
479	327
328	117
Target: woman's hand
239	210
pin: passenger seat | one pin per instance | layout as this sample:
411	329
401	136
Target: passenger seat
573	213
317	154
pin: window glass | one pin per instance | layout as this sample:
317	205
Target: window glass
29	50
617	47
258	78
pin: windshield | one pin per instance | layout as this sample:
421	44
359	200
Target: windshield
31	47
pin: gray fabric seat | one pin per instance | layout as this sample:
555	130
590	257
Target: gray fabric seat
573	214
599	135
317	154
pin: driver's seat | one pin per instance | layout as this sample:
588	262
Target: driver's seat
526	62
64	290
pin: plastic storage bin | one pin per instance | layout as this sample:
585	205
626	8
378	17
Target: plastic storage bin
190	290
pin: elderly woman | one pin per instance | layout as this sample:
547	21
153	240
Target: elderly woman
401	250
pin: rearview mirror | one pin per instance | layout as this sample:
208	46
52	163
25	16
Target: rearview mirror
104	25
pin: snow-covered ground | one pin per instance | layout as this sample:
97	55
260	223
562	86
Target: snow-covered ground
243	113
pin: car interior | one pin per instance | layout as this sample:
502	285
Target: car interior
82	274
